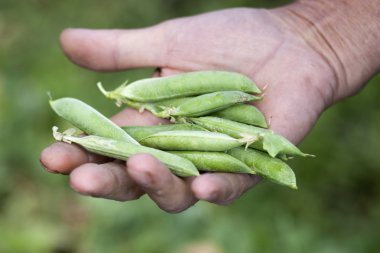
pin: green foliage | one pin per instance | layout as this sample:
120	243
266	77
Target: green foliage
336	208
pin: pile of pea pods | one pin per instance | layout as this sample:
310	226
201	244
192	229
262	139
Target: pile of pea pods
213	129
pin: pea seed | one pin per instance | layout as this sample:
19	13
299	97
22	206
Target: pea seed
214	161
140	132
267	140
191	141
247	114
182	85
89	120
271	168
123	150
207	103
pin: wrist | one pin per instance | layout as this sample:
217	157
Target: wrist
346	33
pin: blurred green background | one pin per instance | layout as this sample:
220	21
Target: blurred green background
336	209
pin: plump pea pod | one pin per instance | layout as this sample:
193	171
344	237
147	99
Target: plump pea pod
271	168
214	161
123	150
207	103
140	132
263	139
247	114
191	141
182	85
89	120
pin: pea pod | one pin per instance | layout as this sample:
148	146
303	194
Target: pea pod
182	85
123	150
214	161
266	139
207	103
271	168
89	120
191	141
140	132
243	113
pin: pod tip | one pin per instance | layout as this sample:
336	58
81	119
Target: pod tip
48	93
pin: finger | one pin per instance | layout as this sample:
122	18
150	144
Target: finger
116	49
132	117
168	191
63	158
222	188
108	180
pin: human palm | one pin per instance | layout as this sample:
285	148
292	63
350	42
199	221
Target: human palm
299	84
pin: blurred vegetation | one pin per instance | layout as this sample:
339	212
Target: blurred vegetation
336	209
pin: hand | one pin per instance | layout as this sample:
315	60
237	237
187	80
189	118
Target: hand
258	43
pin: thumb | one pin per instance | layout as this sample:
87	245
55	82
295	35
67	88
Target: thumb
116	49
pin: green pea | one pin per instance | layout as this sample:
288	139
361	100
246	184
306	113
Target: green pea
247	114
208	103
140	132
191	141
214	161
266	139
182	85
89	120
271	168
122	150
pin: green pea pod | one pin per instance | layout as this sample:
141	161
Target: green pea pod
243	113
181	85
263	139
207	103
89	120
214	161
123	150
268	167
191	141
140	132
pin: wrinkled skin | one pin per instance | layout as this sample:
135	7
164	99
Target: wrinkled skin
299	85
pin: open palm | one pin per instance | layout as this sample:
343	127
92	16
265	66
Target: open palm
299	83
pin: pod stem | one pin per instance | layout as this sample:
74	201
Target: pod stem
101	88
116	94
49	96
64	136
249	139
167	112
